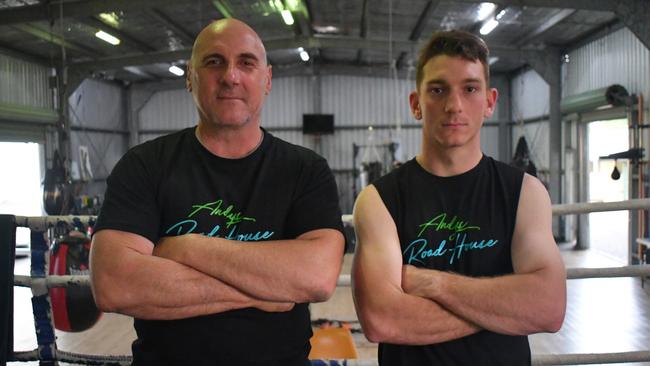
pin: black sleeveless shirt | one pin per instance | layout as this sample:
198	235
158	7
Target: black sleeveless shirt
461	224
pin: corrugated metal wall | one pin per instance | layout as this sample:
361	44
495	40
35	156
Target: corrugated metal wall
289	99
530	96
619	58
530	99
168	110
96	108
24	83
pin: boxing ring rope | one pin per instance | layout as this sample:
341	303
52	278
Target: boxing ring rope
580	208
47	353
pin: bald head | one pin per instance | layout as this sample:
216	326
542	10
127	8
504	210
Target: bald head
230	29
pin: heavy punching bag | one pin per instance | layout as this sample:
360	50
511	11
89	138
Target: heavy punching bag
73	307
54	187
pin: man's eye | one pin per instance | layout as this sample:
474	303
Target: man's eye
248	63
436	90
213	61
472	89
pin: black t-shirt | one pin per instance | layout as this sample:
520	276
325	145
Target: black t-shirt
173	186
461	224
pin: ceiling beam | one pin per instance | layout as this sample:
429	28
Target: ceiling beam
420	25
424	19
49	10
595	34
600	5
634	14
175	27
275	44
548	24
56	39
302	25
22	55
133	60
123	36
363	32
223	8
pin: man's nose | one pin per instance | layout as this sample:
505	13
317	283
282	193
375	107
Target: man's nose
454	102
231	74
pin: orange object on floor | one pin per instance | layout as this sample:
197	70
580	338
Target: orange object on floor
332	343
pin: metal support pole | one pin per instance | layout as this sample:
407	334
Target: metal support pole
7	255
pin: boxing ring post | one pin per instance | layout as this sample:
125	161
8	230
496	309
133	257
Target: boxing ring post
7	255
41	305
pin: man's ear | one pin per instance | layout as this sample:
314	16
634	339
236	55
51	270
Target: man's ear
492	95
188	78
414	103
269	76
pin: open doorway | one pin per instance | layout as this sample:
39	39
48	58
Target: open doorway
21	193
609	231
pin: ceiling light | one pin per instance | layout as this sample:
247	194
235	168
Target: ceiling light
287	17
326	29
176	70
489	26
492	60
484	11
107	38
304	55
110	18
501	14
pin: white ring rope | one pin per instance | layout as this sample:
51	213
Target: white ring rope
579	208
591	358
589	207
52	281
41	223
344	280
640	270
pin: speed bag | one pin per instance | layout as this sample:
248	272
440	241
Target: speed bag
73	306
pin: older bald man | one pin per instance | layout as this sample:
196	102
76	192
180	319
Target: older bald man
215	238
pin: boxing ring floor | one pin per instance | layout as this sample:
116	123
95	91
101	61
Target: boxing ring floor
603	315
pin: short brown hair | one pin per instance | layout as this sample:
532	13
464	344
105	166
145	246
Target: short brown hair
454	43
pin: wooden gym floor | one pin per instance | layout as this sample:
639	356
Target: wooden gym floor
603	315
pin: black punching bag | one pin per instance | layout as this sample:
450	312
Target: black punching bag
54	187
73	307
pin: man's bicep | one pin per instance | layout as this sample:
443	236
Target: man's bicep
533	245
378	260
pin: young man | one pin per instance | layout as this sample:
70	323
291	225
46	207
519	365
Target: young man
216	238
455	262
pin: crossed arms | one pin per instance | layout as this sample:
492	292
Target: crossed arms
193	275
407	305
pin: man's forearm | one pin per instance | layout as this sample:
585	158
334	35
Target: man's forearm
300	270
517	304
145	286
194	294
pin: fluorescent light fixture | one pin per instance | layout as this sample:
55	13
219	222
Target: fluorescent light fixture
287	17
110	18
484	11
488	26
326	29
501	14
492	60
107	38
293	4
304	55
176	70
